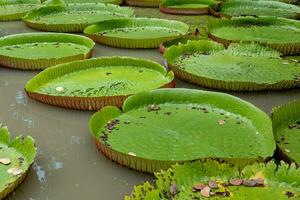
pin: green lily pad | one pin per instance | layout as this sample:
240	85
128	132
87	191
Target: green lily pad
159	128
117	2
259	8
143	3
241	67
73	17
136	32
16	9
286	126
95	83
270	31
182	40
16	157
184	181
35	51
187	7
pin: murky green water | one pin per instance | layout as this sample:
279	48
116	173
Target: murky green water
68	165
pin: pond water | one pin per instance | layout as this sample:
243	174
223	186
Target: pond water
68	165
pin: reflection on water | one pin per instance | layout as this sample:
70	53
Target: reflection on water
68	165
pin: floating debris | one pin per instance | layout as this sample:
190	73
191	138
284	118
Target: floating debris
249	183
15	171
5	161
205	192
199	187
213	184
153	107
173	188
131	154
289	194
222	122
59	89
236	182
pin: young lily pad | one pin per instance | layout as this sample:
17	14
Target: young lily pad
223	181
136	32
35	51
188	7
241	67
182	40
95	83
270	31
73	17
159	128
286	126
16	157
143	3
16	9
259	8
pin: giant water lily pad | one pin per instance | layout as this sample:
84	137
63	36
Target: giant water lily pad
16	9
93	84
241	67
162	127
259	8
73	17
187	7
117	2
143	3
213	180
16	157
136	32
273	32
34	51
286	126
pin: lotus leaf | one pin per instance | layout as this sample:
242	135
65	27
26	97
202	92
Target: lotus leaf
143	3
286	126
136	32
16	157
190	181
241	67
16	9
187	7
270	31
35	51
259	8
159	128
73	17
95	83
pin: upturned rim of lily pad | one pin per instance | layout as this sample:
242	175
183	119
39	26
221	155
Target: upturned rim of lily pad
39	64
143	3
24	146
31	19
165	7
291	48
35	4
219	13
238	50
90	103
181	96
284	117
123	42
